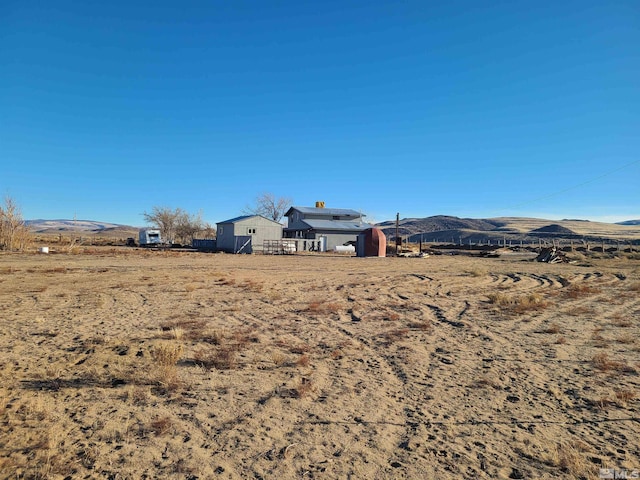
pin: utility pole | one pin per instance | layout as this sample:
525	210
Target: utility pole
398	239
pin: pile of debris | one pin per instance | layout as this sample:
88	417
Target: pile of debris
552	255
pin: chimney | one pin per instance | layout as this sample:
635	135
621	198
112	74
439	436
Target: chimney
319	204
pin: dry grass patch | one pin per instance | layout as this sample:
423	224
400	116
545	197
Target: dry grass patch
423	326
575	291
214	337
190	328
224	358
518	304
304	388
177	333
619	320
392	316
303	361
624	396
626	339
394	335
252	285
168	379
570	458
278	358
486	382
136	395
300	348
597	338
55	270
477	272
604	363
553	328
321	307
580	310
167	353
240	338
161	426
337	354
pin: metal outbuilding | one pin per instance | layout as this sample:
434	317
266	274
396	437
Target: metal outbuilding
246	234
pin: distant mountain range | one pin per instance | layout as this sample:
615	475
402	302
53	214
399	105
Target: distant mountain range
440	228
61	225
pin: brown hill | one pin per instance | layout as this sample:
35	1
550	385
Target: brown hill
443	228
553	229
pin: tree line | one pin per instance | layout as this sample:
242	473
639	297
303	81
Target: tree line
175	224
179	226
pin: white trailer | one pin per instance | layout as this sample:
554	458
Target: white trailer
149	237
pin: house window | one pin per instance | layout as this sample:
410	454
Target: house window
220	230
251	231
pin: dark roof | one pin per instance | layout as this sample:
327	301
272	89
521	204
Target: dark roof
326	211
244	217
346	225
237	219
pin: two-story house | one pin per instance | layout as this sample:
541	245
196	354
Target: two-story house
322	229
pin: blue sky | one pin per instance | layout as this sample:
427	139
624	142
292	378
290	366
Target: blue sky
466	108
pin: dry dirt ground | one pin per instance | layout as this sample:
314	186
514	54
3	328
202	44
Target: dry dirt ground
127	364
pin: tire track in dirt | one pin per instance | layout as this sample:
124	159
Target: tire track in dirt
441	354
386	360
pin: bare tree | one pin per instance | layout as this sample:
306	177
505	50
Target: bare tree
187	226
175	224
165	219
207	231
14	233
270	206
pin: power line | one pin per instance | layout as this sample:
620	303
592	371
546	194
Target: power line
573	187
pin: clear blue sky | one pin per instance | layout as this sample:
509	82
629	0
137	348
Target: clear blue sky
467	108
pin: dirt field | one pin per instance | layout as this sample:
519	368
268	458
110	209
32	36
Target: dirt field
126	364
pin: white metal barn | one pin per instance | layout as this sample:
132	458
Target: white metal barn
246	234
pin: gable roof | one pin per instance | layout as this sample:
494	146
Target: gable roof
245	217
326	211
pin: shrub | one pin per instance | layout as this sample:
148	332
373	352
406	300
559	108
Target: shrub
167	353
602	362
526	303
225	359
278	358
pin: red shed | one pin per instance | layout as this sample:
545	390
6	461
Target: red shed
372	243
